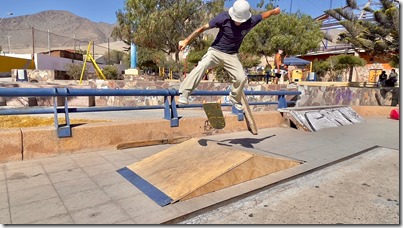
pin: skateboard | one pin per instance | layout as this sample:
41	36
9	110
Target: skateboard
214	114
250	121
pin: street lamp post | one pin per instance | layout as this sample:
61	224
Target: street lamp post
8	13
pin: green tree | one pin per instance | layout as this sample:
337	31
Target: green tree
338	65
150	58
159	25
379	36
320	67
249	60
199	49
296	33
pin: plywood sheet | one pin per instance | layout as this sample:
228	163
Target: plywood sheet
180	170
254	167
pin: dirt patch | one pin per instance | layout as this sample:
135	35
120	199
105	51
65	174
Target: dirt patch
31	121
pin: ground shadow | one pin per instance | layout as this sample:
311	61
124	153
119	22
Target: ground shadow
245	142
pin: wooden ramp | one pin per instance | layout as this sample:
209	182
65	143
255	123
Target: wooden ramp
192	168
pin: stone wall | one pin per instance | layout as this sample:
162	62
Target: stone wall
351	96
174	84
311	95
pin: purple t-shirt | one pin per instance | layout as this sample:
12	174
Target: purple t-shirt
230	36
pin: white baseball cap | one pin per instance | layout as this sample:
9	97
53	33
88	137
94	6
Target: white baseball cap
240	11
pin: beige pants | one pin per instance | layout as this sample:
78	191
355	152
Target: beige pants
211	59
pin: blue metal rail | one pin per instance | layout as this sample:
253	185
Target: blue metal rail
170	107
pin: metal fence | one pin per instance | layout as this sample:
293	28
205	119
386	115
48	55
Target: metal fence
170	107
32	40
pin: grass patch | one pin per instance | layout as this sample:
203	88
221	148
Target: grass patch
31	121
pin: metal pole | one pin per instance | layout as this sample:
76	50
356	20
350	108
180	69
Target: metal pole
109	53
133	56
291	7
49	41
74	40
33	42
8	38
328	20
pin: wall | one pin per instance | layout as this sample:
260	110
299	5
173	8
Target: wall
312	95
351	96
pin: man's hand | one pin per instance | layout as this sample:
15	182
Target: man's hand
183	44
271	13
276	11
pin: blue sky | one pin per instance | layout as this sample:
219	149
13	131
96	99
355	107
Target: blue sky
104	10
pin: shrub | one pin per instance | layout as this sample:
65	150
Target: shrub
74	70
111	72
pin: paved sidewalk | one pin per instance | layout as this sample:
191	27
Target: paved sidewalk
326	196
84	188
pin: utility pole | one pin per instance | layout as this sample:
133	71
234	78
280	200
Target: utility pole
290	6
331	1
8	38
49	41
109	53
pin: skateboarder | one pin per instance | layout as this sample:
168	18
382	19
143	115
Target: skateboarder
233	26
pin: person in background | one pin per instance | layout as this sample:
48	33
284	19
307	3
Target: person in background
391	81
233	26
393	74
382	79
278	65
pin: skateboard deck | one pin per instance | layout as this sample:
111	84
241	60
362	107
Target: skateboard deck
250	121
214	114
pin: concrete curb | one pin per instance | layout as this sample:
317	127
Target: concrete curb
38	142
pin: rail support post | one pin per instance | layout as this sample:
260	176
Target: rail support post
170	111
63	131
282	102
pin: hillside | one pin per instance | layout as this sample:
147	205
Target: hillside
63	26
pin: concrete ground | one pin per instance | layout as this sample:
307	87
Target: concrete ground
84	188
361	190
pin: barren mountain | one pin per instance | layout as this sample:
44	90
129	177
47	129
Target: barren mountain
18	33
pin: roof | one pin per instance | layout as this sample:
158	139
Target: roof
294	61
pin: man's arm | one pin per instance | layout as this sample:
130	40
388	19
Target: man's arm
185	42
278	62
270	13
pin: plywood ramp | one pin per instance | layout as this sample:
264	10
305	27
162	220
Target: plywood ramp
191	169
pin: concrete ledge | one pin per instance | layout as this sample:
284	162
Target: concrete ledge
43	141
374	110
10	145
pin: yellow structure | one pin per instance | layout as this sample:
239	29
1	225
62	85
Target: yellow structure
8	63
297	75
162	74
88	56
374	75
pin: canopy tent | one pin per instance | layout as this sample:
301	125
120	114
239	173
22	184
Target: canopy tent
294	61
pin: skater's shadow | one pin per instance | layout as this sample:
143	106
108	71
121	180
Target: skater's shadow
244	142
